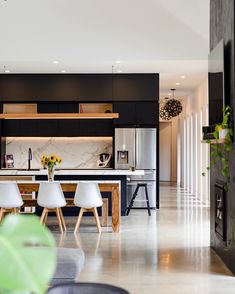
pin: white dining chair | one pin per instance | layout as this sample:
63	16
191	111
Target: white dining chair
10	199
88	198
51	198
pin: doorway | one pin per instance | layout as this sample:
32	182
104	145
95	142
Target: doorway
165	151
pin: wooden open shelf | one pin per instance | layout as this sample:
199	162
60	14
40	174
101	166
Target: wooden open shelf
214	141
59	115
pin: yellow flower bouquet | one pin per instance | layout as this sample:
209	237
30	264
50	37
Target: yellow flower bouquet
49	162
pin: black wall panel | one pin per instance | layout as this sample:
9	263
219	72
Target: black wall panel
222	27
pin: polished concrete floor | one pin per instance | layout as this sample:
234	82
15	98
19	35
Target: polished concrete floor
166	253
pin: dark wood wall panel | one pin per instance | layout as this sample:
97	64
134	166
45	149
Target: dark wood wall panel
222	27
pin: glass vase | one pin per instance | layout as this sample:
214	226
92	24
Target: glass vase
50	173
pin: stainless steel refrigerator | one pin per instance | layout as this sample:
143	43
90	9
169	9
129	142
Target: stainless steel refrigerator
137	148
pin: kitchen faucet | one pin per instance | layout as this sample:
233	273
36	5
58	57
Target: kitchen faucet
30	157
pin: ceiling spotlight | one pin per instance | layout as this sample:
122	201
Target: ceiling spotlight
7	71
118	61
177	84
119	71
169	94
182	77
63	71
55	61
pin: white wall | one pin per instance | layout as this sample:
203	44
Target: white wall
194	156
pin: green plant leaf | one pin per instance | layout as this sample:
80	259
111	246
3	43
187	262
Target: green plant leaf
216	135
226	187
214	153
27	255
228	148
213	162
214	147
224	173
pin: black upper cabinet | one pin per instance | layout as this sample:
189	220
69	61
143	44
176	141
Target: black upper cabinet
136	113
135	87
55	87
16	87
126	112
146	113
78	87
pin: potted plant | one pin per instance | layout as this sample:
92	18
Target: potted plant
220	152
223	128
27	255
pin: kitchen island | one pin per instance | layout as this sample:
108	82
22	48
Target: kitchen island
97	175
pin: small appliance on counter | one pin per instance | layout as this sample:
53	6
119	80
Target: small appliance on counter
104	160
8	161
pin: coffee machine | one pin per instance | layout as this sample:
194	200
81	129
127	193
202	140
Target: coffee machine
104	160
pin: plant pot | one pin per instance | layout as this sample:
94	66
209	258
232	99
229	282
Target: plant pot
223	133
50	173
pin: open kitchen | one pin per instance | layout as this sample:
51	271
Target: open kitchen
103	127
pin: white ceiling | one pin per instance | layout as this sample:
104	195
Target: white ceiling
166	36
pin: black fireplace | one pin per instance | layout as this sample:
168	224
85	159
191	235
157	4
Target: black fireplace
220	210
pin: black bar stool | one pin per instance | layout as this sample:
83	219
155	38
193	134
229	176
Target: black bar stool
134	196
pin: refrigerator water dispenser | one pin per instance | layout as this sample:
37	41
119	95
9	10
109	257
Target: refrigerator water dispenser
122	156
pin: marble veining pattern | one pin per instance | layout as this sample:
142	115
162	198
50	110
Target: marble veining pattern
75	152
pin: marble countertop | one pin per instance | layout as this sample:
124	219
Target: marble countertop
112	172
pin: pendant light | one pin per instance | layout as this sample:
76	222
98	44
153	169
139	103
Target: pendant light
173	106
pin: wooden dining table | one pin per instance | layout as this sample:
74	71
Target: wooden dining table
113	188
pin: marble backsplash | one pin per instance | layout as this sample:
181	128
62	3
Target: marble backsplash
81	153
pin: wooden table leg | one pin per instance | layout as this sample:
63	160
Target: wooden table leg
116	211
105	212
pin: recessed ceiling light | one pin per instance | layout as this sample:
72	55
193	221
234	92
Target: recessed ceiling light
177	84
182	77
169	94
119	71
55	61
7	71
118	61
63	71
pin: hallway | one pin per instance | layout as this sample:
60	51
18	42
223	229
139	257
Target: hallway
165	253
